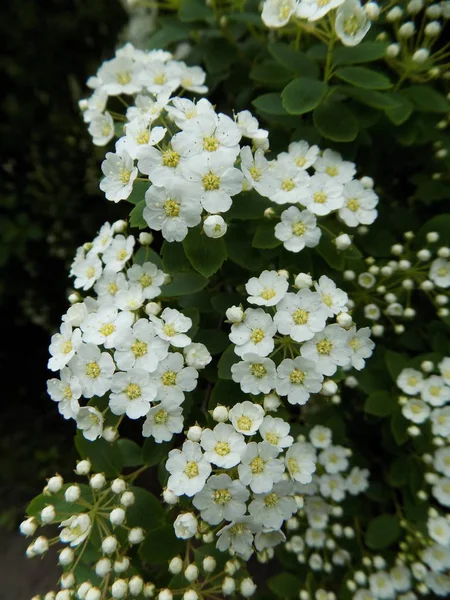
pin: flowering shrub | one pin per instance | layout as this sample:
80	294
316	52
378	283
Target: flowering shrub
217	357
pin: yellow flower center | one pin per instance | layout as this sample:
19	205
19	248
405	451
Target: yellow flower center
222	448
133	391
268	294
113	288
300	316
160	79
331	171
123	78
272	438
143	137
435	390
172	208
298	228
324	347
90	272
257	465
145	280
191	469
139	348
211	182
354	344
327	299
67	347
320	197
244	423
293	466
284	12
222	496
258	370
297	376
301	161
257	336
351	25
442	272
170	158
442	419
271	500
122	255
169	378
255	173
186	82
353	204
210	144
106	130
169	330
67	393
92	370
124	175
161	417
237	529
107	329
287	185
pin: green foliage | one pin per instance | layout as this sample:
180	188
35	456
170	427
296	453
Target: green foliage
382	532
205	254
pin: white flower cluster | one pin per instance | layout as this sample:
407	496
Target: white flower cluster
114	345
331	188
81	511
351	20
317	538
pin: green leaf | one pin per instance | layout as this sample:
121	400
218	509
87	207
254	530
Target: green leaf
105	457
193	313
183	284
401	114
395	362
205	254
227	359
146	512
364	78
285	585
136	216
146	254
364	52
335	121
170	30
153	453
219	55
380	100
399	470
427	99
265	237
271	73
270	104
303	95
382	532
399	427
63	509
194	10
138	193
174	258
439	223
328	251
380	404
293	60
221	302
248	205
130	452
227	393
214	339
160	546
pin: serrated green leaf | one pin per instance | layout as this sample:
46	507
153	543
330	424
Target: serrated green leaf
380	404
382	532
364	78
335	121
271	73
303	94
205	254
294	60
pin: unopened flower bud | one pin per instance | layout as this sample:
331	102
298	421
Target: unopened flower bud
145	238
344	320
209	564
55	484
136	535
117	516
343	241
303	281
194	433
248	588
185	526
127	499
393	50
83	467
72	493
191	572
271	402
119	588
235	314
28	527
136	585
97	481
103	567
228	586
118	486
169	497
109	544
110	434
214	226
119	226
153	308
329	387
48	514
220	414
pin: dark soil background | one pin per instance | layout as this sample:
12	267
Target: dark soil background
49	205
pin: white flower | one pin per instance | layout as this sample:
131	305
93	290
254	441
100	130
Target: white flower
301	315
254	374
66	391
184	111
300	462
209	135
276	13
357	480
139	135
361	346
444	369
315	538
267	289
435	392
442	460
159	165
159	77
94	370
95	105
440	421
271	509
259	467
437	557
76	313
215	181
118	253
439	530
334	299
438	583
331	162
441	491
320	436
328	349
249	126
192	79
223	446
101	128
351	23
359	204
149	277
291	183
76	529
325	195
275	431
86	269
63	346
410	381
332	486
381	585
119	76
185	526
298	229
401	578
131	393
120	173
147	107
257	172
172	326
268	539
163	421
172	208
221	498
301	154
108	286
334	459
238	536
197	355
246	417
188	469
214	226
314	10
440	272
90	421
254	333
416	410
172	380
107	326
297	379
140	347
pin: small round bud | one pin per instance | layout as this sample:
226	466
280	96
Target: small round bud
190	595
122	564
28	527
394	14
220	414
83	467
271	402
149	590
372	10
83	590
349	275
54	484
97	481
420	56
269	213
399	329
103	567
169	497
443	252
329	387
235	314
194	433
377	330
175	565
127	499
118	486
40	545
110	434
433	28
74	298
119	588
303	281
109	544
94	594
48	514
397	249
153	308
117	516
145	238
343	241
119	226
248	588
136	535
424	255
209	564
413	431
408	284
409	313
228	586
393	50
344	320
443	312
426	285
214	226
165	595
66	557
136	585
72	493
185	526
432	237
191	572
406	30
